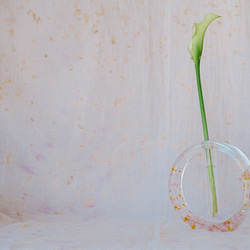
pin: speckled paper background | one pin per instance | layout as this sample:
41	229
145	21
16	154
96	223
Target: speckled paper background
97	99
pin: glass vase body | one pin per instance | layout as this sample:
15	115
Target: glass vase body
190	190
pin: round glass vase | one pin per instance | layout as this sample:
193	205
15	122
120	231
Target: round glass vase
190	186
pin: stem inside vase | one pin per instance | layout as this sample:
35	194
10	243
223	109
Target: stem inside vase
206	138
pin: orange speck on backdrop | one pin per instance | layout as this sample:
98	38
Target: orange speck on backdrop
68	183
90	201
51	38
77	12
8	158
18	94
86	18
102	11
39	20
59	213
11	31
113	40
186	11
94	29
164	137
193	226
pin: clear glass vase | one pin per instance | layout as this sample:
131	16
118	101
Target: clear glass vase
190	190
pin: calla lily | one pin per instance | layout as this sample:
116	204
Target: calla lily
195	49
199	30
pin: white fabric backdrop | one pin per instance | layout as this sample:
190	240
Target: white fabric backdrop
98	98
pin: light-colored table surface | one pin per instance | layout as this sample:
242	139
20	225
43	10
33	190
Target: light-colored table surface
60	232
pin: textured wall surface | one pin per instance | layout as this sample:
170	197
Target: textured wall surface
98	98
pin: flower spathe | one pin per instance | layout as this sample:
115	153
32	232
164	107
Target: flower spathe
199	29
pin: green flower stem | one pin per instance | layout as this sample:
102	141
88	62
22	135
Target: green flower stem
206	138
